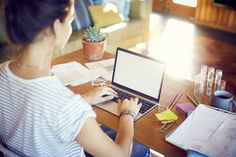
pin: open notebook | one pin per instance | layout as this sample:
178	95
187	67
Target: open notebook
207	130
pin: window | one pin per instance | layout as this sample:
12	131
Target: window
190	3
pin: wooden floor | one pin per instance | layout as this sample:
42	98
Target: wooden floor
185	47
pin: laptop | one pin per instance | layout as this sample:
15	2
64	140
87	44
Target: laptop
135	75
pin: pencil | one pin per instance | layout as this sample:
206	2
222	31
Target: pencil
198	101
175	101
171	102
191	99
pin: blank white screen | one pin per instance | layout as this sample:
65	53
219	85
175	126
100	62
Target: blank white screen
140	74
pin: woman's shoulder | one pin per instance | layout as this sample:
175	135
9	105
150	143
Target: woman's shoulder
52	88
4	64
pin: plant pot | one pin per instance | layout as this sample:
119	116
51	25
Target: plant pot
93	51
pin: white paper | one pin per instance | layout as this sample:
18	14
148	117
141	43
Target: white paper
223	141
208	131
73	73
178	136
204	123
102	68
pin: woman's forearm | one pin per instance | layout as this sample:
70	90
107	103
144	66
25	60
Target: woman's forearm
125	134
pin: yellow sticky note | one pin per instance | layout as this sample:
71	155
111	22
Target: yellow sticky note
167	115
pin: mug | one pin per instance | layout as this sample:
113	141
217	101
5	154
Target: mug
223	100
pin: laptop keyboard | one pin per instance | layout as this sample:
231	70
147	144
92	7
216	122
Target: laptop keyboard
122	95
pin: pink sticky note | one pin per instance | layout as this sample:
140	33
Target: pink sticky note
184	108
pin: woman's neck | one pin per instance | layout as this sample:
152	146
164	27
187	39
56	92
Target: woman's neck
33	62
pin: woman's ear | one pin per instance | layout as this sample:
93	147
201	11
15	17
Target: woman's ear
57	27
58	33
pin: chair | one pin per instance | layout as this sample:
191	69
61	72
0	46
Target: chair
6	152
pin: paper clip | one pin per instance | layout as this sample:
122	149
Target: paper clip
166	126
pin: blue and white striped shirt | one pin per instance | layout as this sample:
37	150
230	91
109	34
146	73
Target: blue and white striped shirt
40	117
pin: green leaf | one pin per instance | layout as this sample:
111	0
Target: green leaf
93	34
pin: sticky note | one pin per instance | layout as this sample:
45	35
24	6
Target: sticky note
184	108
166	116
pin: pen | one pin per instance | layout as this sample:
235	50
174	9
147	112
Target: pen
175	101
197	99
191	99
172	100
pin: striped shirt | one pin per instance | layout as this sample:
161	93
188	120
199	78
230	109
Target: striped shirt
40	117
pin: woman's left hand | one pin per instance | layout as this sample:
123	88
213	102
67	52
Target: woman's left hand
100	94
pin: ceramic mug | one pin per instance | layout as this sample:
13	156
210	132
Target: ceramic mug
223	100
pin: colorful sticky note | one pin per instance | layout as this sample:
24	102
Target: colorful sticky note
166	116
184	108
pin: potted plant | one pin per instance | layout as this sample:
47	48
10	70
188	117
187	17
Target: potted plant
94	43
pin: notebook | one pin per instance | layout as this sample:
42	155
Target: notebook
136	75
207	130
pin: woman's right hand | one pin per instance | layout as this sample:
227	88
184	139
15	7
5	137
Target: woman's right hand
129	105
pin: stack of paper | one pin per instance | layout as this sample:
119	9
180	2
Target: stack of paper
73	73
208	131
103	68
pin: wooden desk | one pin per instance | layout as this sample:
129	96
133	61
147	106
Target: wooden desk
146	129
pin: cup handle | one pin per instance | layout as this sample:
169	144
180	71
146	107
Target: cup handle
233	106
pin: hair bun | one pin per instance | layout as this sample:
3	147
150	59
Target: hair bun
26	18
13	19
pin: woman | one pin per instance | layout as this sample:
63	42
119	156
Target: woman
39	116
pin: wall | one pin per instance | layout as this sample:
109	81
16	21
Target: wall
213	16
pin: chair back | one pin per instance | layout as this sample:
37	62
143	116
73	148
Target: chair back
6	152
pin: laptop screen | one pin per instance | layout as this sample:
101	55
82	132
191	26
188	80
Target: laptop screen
139	74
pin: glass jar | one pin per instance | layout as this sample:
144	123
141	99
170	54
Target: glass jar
210	80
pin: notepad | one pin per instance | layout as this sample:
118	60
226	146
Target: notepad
166	116
207	130
184	108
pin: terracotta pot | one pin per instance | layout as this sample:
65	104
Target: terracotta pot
93	51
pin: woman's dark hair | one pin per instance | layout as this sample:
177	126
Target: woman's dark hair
26	18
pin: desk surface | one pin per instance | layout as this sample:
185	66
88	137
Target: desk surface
146	129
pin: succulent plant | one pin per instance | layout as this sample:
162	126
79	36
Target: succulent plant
93	34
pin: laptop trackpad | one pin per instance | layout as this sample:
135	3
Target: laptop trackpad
109	106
